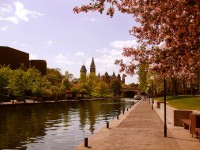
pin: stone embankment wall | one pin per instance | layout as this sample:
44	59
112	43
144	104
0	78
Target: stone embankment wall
173	115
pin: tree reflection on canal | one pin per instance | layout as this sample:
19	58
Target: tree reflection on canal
55	125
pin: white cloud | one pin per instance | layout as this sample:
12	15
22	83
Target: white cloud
62	60
122	44
50	43
4	28
16	12
81	54
5	8
11	19
22	13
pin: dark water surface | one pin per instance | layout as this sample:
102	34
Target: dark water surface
55	125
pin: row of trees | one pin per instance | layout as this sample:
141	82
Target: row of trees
168	34
174	87
21	83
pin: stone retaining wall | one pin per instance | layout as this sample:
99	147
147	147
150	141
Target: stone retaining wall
173	115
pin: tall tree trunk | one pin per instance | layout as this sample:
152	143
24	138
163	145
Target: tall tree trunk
184	87
191	87
175	88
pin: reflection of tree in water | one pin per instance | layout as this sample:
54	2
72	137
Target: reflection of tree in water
20	125
93	111
82	115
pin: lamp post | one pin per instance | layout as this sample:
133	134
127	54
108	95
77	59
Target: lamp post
148	96
152	78
165	119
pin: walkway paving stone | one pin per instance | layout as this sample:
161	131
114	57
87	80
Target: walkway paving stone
141	129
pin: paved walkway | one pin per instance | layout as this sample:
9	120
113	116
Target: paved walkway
141	129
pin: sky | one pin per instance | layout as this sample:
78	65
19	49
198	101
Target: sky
50	30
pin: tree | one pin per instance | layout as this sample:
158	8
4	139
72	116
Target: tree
56	92
172	24
34	83
115	86
18	84
54	72
67	81
92	81
5	72
143	70
101	89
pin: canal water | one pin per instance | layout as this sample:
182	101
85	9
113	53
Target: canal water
60	126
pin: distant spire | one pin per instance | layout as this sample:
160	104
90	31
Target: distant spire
92	67
119	77
113	75
92	63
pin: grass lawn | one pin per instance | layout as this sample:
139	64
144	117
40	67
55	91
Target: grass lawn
186	102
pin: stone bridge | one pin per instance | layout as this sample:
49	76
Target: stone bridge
129	92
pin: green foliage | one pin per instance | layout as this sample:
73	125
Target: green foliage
92	81
115	86
185	102
5	73
143	70
66	84
54	72
18	83
56	91
101	89
82	77
39	86
67	81
34	81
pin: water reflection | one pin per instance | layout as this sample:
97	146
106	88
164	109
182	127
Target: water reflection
55	125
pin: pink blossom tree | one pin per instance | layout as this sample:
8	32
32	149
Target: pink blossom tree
169	33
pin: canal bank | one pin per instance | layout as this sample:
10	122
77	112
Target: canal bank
141	128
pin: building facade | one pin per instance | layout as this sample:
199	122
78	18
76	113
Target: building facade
16	59
106	78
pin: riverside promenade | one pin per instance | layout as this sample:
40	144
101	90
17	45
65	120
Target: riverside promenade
141	128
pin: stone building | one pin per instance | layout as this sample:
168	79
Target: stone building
106	77
40	65
83	72
93	67
16	59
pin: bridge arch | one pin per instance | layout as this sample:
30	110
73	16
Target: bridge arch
128	93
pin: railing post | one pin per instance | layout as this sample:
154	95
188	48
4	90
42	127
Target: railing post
107	123
86	142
